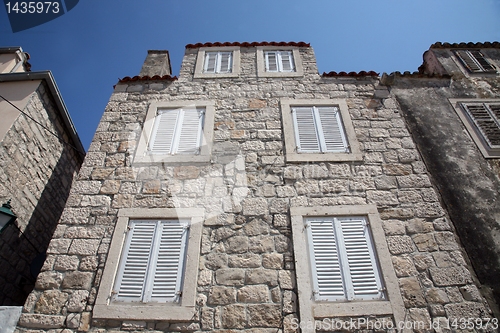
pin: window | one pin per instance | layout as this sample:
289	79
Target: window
217	62
482	120
319	130
344	266
284	62
474	61
152	265
279	61
179	131
343	263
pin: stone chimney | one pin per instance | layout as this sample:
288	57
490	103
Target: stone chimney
157	63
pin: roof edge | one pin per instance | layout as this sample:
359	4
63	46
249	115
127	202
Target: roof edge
247	44
350	74
49	79
463	45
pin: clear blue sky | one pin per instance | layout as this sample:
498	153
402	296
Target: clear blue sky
99	41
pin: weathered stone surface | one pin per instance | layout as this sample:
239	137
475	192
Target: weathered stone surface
262	276
51	302
272	260
230	276
245	260
253	294
400	244
77	280
450	276
41	321
221	295
466	310
77	301
264	315
255	206
412	293
233	316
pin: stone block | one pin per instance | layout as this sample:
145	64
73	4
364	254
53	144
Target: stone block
412	293
230	276
403	266
48	280
221	295
436	296
77	301
253	294
245	260
237	244
400	244
233	316
77	280
450	276
466	310
255	206
262	276
425	242
66	263
84	247
41	321
264	315
272	260
51	302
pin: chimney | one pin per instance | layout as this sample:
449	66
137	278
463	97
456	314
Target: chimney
157	63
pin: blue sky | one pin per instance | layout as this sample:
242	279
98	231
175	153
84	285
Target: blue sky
97	42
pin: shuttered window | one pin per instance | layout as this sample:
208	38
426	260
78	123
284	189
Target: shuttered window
279	61
177	131
218	62
152	262
486	117
474	61
319	130
344	266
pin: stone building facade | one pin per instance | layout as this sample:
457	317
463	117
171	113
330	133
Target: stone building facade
448	105
292	197
40	154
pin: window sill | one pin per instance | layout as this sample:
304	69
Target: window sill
172	159
352	309
214	75
323	157
144	312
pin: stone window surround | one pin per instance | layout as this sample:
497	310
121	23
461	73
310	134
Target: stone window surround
142	155
311	309
261	63
183	311
200	61
289	132
477	137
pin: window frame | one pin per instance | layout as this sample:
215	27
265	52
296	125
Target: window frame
261	61
312	309
143	154
291	153
183	310
474	59
199	71
473	130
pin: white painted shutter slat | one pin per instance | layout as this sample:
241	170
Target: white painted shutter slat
190	131
306	135
468	61
169	261
210	62
133	269
271	61
325	260
225	62
361	263
287	61
163	132
333	131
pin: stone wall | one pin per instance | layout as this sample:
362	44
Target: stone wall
36	173
246	280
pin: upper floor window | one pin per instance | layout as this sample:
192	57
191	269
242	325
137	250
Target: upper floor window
282	62
482	120
179	131
319	130
217	62
475	62
279	61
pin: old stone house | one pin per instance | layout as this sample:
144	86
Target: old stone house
253	194
453	109
40	154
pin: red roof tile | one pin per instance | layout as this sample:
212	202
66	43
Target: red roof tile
247	44
440	45
350	74
146	78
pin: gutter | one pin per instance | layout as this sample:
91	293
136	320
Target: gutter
49	79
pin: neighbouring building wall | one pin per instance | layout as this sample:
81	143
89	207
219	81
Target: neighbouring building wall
247	200
467	181
36	172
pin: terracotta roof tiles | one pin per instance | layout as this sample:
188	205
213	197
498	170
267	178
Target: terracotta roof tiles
440	45
247	44
350	74
146	78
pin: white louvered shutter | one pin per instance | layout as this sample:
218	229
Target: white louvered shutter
475	61
168	257
210	62
132	273
163	133
358	259
224	63
306	135
271	61
327	281
287	61
486	117
190	131
331	130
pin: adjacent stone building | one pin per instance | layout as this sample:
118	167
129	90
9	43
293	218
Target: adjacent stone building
453	110
253	194
40	154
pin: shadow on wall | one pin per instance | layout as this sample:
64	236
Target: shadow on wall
23	253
